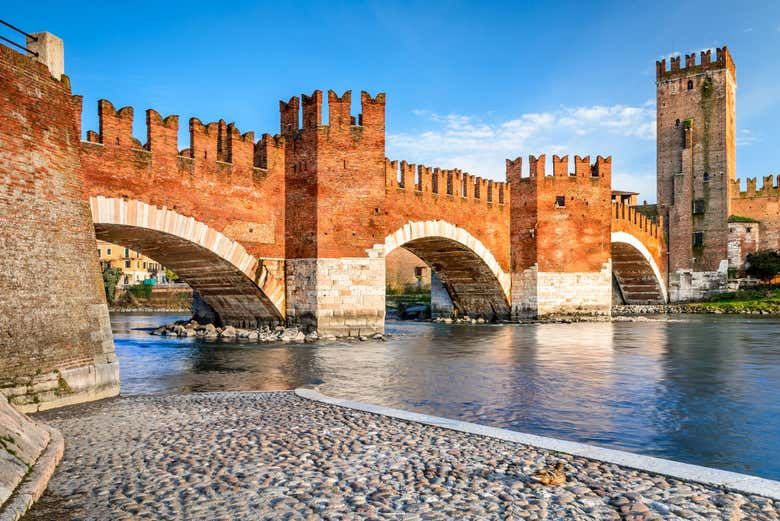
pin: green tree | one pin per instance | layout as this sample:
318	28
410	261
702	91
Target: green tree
763	265
111	278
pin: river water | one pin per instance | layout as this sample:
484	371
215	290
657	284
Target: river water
700	389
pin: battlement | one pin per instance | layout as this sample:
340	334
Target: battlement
706	63
624	214
423	179
372	116
769	188
210	143
600	170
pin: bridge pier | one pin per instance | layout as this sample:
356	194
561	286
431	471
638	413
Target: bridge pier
337	297
545	294
560	237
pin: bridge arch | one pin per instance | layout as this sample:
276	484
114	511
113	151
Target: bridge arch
238	286
476	283
635	271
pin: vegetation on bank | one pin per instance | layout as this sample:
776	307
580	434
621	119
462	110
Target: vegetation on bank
398	301
763	299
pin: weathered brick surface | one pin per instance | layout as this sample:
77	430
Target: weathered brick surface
762	205
744	239
638	257
560	225
53	313
295	225
696	156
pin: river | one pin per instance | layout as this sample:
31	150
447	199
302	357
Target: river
700	389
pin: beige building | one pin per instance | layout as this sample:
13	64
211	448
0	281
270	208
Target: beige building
406	271
135	267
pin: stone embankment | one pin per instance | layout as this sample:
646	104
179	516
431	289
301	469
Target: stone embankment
699	307
191	328
279	456
147	309
29	453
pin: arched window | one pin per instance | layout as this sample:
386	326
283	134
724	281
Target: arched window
677	123
706	177
690	84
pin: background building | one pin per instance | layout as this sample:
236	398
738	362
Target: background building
135	267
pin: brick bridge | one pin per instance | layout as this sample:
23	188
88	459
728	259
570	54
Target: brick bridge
296	226
293	227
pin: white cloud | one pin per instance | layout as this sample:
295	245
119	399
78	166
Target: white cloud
479	145
745	138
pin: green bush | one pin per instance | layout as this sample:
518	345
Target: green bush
763	265
143	291
111	277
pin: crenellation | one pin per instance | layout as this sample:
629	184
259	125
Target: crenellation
372	116
289	116
312	110
162	134
115	126
204	141
722	61
560	166
582	166
269	152
536	166
239	149
339	109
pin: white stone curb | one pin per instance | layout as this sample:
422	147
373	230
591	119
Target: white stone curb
34	484
684	471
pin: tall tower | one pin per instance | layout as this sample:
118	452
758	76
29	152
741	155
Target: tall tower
696	161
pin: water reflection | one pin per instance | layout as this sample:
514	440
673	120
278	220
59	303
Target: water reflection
699	389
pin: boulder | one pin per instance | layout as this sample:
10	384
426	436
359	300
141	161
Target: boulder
228	332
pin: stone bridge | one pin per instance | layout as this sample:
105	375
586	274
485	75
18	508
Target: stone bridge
295	227
290	228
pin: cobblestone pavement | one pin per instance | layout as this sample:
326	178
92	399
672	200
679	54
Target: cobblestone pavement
277	456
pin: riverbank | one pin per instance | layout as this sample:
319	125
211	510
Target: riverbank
279	456
763	300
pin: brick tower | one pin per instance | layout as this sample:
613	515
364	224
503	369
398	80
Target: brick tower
696	162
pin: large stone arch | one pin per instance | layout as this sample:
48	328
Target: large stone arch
636	272
476	283
239	287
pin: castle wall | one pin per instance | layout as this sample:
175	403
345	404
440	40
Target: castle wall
560	240
55	337
224	178
762	205
334	195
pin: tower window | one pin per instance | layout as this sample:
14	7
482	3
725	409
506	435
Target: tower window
677	123
706	177
698	239
698	206
690	84
560	201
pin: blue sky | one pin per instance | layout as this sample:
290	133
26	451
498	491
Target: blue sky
468	83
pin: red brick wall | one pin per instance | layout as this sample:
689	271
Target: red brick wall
573	238
422	195
335	176
627	219
223	179
762	205
52	310
685	155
